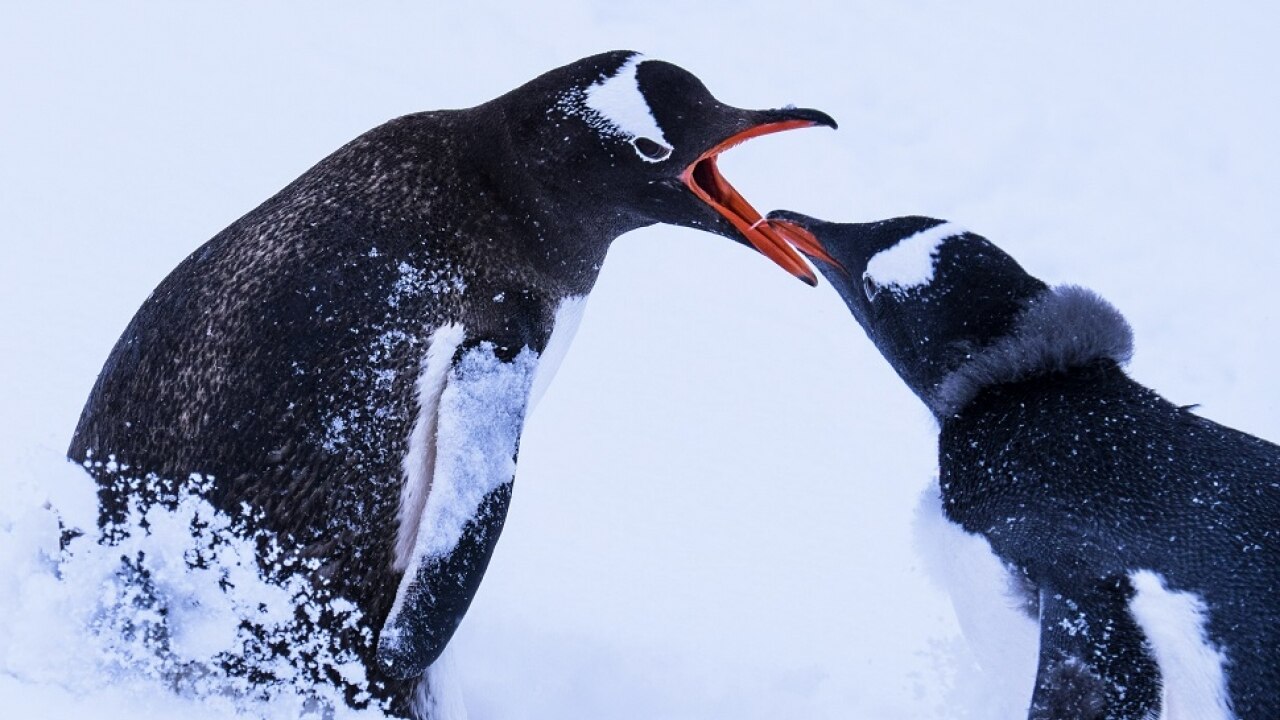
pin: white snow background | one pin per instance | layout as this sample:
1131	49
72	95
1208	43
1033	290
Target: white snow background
714	505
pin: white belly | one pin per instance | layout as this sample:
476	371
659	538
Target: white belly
1005	640
568	317
1194	685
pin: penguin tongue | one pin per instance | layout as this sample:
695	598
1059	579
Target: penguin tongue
706	182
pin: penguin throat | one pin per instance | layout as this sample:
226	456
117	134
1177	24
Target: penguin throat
703	178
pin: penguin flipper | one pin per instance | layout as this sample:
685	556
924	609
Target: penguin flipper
1093	660
480	416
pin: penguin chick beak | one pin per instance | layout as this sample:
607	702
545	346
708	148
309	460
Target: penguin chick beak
703	178
803	240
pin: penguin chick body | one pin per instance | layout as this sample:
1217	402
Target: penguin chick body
1142	538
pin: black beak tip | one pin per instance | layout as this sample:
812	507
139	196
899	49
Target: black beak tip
822	119
790	113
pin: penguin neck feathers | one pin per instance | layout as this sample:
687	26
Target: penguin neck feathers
549	218
1063	328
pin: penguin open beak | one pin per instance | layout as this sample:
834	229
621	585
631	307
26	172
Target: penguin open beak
703	178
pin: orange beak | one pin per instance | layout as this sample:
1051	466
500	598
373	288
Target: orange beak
804	241
704	179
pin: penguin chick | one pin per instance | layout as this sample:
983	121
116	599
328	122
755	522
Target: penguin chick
1146	538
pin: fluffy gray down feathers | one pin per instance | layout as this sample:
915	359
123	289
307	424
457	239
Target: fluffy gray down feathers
1065	327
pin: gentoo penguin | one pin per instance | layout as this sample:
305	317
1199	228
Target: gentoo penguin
348	366
1145	539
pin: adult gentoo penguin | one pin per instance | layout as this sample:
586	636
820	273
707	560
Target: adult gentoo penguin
347	367
1143	539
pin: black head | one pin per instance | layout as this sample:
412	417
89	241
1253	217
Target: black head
928	293
637	140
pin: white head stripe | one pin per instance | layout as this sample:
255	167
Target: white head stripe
909	263
620	103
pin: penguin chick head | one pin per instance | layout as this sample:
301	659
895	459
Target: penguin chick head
637	140
950	311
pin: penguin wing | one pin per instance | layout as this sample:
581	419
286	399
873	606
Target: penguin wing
479	414
1094	661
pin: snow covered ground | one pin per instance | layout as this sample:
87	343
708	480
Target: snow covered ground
713	511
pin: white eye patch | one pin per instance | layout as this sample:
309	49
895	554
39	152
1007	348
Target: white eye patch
909	263
626	113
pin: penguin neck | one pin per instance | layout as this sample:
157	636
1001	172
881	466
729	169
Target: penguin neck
1064	328
558	233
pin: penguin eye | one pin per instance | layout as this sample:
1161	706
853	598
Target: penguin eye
870	287
650	150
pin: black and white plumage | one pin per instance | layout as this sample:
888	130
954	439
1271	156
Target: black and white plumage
348	366
1143	539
